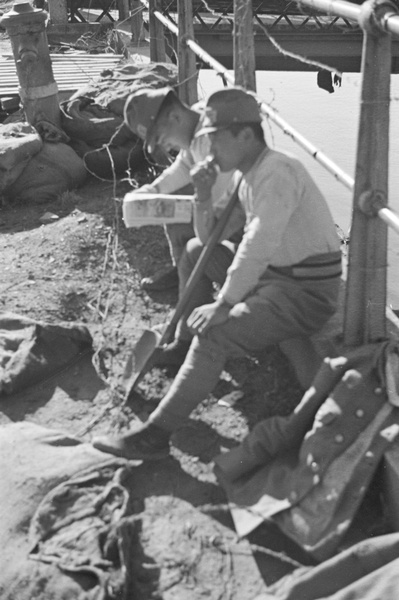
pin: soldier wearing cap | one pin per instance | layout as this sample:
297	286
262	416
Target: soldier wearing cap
165	123
284	279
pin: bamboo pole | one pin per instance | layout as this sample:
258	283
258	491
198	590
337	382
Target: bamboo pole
244	46
157	36
188	88
137	23
364	318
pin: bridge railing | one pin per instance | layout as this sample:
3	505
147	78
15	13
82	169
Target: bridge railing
365	306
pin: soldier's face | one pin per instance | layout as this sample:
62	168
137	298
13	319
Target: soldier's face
227	149
166	136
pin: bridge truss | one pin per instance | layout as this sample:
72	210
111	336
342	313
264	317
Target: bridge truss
283	29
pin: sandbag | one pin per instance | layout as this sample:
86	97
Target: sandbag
112	89
55	169
61	506
19	142
123	153
83	120
93	118
33	350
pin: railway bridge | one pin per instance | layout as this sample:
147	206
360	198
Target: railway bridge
283	29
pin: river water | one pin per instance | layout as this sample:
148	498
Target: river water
330	122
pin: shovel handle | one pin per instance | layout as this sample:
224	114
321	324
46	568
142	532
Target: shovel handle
200	266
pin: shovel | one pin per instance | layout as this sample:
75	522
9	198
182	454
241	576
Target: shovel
144	352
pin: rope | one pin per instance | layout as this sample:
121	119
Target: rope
298	57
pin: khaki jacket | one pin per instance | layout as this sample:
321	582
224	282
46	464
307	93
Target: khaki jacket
309	471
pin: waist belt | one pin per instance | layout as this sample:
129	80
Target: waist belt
322	266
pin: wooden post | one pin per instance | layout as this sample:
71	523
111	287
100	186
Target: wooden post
58	12
137	23
244	47
157	35
123	9
364	319
38	90
188	88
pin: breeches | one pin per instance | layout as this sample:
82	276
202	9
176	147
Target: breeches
279	308
214	272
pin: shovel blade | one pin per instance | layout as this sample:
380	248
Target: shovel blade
142	351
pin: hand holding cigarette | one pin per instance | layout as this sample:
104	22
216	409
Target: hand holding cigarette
204	176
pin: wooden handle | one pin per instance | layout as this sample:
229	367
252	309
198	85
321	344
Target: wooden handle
199	268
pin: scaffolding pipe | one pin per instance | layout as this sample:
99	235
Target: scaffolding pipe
389	21
366	288
390	218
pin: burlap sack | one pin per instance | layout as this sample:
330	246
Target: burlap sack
19	142
55	169
62	505
31	351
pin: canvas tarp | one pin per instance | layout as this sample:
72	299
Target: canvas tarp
31	351
93	117
57	168
19	142
62	505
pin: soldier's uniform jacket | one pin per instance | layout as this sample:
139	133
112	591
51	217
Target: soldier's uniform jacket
309	471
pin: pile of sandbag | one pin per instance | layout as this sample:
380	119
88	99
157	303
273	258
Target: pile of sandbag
19	142
34	170
39	163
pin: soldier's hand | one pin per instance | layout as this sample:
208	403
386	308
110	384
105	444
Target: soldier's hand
207	316
204	176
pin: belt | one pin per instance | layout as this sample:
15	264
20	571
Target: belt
322	266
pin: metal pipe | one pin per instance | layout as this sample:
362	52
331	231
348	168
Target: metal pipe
339	8
389	217
389	22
